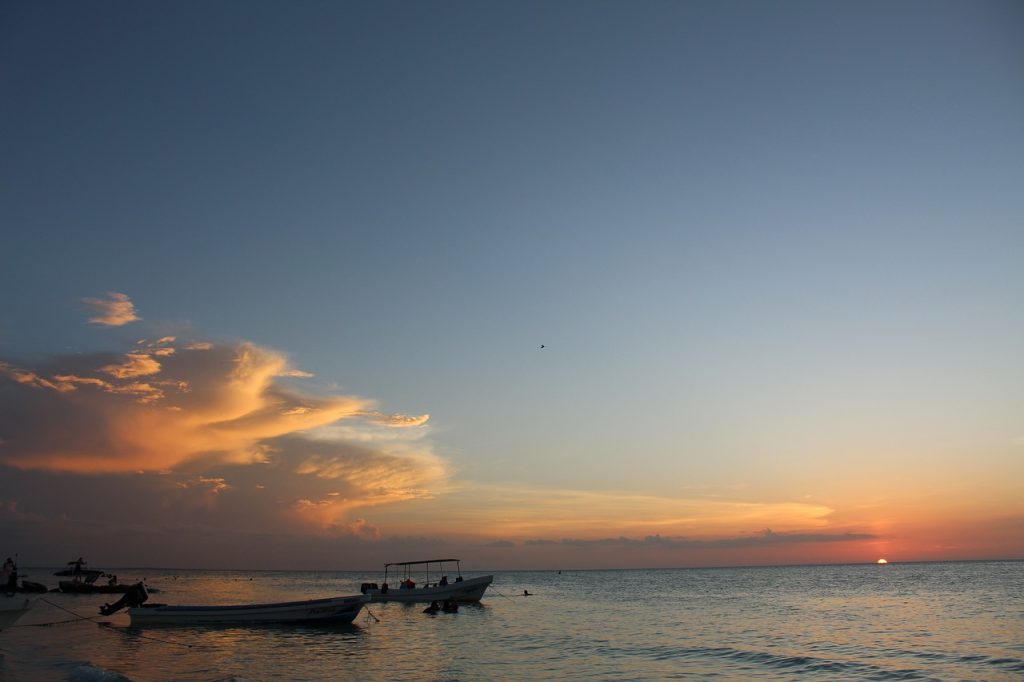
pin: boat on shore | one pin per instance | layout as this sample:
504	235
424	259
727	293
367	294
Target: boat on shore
465	590
12	608
334	610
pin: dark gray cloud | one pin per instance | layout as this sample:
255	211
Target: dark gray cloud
500	544
764	538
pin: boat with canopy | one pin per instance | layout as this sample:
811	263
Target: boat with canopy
436	587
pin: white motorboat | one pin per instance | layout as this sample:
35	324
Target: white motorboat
329	610
460	589
12	607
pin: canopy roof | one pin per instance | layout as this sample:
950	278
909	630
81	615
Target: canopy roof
412	563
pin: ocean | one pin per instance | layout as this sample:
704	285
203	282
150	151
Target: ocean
916	621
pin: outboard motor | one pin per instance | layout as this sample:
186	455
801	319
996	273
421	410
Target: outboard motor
135	596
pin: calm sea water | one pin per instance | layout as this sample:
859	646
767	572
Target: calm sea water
937	621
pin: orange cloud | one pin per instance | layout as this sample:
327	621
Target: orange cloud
397	420
524	512
216	434
114	311
135	365
218	404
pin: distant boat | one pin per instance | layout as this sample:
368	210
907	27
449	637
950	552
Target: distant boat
329	610
460	589
12	608
84	580
85	583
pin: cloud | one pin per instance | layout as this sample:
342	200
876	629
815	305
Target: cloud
362	529
224	434
135	365
221	402
766	537
501	544
396	420
114	311
521	512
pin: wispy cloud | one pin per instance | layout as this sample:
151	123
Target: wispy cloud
113	311
763	538
518	512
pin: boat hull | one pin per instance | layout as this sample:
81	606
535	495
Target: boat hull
329	610
11	609
76	587
469	590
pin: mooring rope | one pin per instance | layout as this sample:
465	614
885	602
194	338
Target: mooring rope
106	625
502	595
77	617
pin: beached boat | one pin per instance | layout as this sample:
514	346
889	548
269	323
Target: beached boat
12	608
460	589
329	610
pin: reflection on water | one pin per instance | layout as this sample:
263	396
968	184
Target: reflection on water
899	621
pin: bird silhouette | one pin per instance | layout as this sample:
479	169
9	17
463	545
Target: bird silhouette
543	346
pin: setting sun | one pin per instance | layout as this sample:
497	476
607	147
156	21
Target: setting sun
882	561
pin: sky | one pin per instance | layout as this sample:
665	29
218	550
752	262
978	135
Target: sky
552	285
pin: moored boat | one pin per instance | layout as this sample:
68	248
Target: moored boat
329	610
460	589
84	580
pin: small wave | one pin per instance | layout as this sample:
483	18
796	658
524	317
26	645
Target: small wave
88	673
792	664
1015	664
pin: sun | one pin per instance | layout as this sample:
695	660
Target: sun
882	561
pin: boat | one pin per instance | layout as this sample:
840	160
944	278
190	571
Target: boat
85	583
84	580
329	610
12	608
461	589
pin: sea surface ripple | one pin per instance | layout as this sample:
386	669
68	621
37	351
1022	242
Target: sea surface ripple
921	621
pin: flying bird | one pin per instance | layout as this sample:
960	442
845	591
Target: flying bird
543	346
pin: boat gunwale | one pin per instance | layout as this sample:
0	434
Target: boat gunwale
347	600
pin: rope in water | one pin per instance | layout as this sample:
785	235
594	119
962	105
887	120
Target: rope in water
77	617
106	625
502	595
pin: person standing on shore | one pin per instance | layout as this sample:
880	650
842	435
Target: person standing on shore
10	575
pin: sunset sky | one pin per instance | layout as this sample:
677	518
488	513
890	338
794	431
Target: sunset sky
275	278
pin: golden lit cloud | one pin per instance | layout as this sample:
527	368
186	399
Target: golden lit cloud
113	311
222	404
519	512
397	420
223	434
134	365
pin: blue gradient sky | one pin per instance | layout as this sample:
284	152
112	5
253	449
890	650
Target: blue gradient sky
775	249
